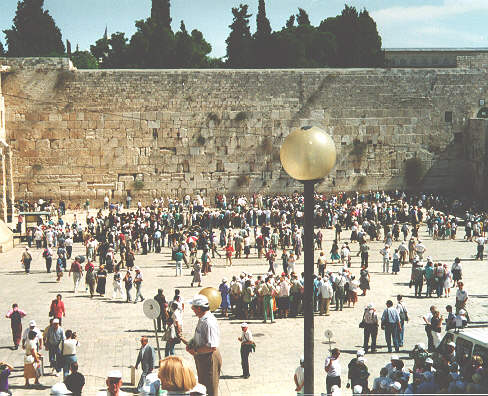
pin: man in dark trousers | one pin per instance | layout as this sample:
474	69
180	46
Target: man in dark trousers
146	359
163	305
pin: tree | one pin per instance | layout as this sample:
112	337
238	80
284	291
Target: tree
358	41
84	60
117	55
302	17
262	38
239	42
101	49
2	51
34	32
370	52
68	48
290	22
160	13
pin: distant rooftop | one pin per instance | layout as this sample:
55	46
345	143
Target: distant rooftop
461	49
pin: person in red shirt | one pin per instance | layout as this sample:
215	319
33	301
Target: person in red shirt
57	309
228	253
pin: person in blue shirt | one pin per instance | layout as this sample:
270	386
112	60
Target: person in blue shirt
390	323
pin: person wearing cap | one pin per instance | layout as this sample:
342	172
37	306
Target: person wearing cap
145	358
138	284
357	370
32	327
114	383
15	315
395	388
247	345
204	345
55	336
299	377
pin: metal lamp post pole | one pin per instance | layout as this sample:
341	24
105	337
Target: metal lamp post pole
308	307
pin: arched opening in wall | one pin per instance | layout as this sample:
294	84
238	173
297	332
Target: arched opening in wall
482	113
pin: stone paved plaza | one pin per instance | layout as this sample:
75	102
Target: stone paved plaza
109	330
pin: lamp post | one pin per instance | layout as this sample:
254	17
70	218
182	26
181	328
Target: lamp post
308	154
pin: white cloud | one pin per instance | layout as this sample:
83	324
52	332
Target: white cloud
430	12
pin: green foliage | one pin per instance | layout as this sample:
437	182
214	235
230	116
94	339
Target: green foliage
62	79
200	140
262	38
302	18
138	184
239	43
359	148
190	50
214	118
358	41
414	171
34	32
2	50
160	13
243	180
241	116
111	53
84	60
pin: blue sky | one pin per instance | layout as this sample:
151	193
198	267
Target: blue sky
401	23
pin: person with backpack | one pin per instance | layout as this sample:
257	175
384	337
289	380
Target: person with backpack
48	257
26	260
15	315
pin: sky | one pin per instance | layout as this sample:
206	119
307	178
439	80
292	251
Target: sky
401	23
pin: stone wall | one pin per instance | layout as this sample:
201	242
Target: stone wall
78	134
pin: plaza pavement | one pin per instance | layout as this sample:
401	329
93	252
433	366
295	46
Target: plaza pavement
109	331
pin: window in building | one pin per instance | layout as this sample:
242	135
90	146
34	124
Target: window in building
448	116
483	113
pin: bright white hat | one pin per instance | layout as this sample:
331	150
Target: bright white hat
114	374
32	323
199	300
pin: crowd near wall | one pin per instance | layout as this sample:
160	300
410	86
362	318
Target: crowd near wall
86	133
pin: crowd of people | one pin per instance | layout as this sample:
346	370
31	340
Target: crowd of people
269	228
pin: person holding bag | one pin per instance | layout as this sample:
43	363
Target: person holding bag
32	360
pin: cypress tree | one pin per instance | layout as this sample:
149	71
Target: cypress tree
160	13
34	32
239	42
262	38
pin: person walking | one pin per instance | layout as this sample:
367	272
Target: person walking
90	278
15	315
370	327
179	262
101	280
247	346
55	337
390	323
325	293
386	253
128	285
224	290
77	271
138	285
339	292
48	257
333	370
68	351
403	313
204	345
32	360
26	260
117	285
57	309
197	273
299	377
145	358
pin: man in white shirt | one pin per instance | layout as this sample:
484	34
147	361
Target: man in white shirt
333	370
204	345
461	297
38	339
299	377
247	345
325	293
